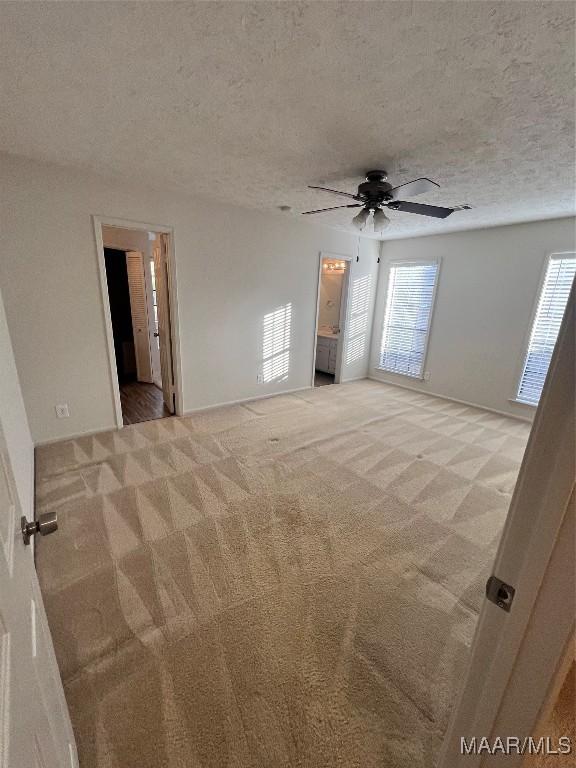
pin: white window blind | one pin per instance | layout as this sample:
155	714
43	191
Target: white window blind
411	289
551	305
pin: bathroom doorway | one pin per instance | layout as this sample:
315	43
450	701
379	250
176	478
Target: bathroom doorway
333	283
135	267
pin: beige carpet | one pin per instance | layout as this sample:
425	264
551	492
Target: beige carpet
290	582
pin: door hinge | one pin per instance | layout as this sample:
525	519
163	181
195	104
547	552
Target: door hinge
500	593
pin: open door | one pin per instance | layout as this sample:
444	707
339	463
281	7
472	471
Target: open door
35	730
162	276
526	627
139	311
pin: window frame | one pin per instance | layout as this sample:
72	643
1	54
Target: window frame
424	374
528	332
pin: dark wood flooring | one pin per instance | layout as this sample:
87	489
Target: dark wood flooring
141	402
321	378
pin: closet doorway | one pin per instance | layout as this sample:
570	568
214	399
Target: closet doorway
136	274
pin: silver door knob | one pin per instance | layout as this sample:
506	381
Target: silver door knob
47	523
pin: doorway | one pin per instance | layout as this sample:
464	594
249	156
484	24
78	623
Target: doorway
136	274
333	282
140	385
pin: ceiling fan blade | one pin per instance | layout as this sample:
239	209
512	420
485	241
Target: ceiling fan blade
413	188
424	210
321	210
336	192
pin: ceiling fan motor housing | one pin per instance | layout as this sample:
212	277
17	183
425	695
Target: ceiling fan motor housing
375	190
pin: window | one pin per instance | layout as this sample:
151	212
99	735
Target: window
411	289
551	305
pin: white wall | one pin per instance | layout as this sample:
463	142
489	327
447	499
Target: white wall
14	421
488	283
233	266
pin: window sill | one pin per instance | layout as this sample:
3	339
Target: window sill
521	402
396	373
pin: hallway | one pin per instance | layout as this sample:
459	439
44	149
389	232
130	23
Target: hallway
141	402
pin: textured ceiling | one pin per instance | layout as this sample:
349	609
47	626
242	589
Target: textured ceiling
251	102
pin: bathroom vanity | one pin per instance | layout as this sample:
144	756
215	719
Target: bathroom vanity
326	350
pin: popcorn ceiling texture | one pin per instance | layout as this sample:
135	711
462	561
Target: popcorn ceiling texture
251	102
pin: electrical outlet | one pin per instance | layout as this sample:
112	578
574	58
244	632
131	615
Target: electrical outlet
260	379
426	375
62	411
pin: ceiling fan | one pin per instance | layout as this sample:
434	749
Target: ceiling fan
376	193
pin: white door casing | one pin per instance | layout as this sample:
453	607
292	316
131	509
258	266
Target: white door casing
161	268
139	311
35	729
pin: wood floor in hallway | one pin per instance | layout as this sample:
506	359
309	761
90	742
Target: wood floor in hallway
141	402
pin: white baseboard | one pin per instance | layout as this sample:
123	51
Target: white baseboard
453	400
245	400
354	378
75	435
115	427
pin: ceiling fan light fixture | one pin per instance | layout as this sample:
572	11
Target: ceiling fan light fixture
381	221
360	219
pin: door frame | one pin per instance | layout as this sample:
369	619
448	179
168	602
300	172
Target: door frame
343	319
108	221
517	656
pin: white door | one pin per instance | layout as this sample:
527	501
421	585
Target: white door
161	269
35	730
139	311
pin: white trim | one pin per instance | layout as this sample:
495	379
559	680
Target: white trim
522	403
113	373
420	391
357	378
113	428
403	262
519	368
174	323
404	375
76	435
343	320
107	221
245	400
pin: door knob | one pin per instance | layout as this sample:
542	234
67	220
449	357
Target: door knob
47	523
156	335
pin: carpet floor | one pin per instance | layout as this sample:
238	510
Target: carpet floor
289	583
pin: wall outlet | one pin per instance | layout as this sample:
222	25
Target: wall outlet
260	379
62	411
426	375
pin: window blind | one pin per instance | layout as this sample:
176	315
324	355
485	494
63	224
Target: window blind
409	300
551	305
